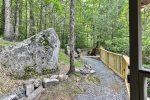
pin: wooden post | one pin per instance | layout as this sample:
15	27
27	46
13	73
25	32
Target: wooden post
137	82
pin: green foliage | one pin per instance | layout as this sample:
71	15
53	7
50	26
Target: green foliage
119	45
44	41
97	21
63	57
29	72
33	31
148	91
6	43
22	34
146	54
46	71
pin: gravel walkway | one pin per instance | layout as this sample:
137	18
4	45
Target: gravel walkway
111	86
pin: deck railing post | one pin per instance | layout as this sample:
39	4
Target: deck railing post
137	88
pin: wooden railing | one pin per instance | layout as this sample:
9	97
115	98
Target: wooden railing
118	63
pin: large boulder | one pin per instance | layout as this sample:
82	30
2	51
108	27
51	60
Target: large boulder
37	53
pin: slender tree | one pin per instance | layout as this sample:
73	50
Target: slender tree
20	12
2	17
45	16
41	16
32	23
8	30
72	40
26	7
17	18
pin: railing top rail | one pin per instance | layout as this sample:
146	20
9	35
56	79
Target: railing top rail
111	52
127	59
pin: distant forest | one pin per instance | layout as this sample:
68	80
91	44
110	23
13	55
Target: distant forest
97	22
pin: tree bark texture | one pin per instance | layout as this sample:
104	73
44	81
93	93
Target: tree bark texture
17	19
72	25
8	31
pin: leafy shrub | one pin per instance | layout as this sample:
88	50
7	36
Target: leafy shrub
119	45
146	54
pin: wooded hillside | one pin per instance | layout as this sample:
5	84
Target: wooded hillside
98	23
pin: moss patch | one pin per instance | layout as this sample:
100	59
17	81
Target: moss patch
6	43
29	72
44	41
46	71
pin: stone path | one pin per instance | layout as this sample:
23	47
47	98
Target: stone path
111	86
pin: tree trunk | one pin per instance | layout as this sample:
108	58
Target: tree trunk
72	25
26	18
32	31
20	13
41	12
65	26
8	31
17	19
3	17
20	19
45	20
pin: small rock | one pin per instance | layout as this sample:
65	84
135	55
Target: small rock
48	82
37	83
85	71
21	92
30	81
86	66
54	77
92	71
23	98
67	51
78	50
29	89
77	70
60	77
11	97
90	66
36	94
63	77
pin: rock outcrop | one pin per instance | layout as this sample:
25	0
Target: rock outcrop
37	53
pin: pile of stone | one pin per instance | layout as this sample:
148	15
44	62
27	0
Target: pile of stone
33	88
86	70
